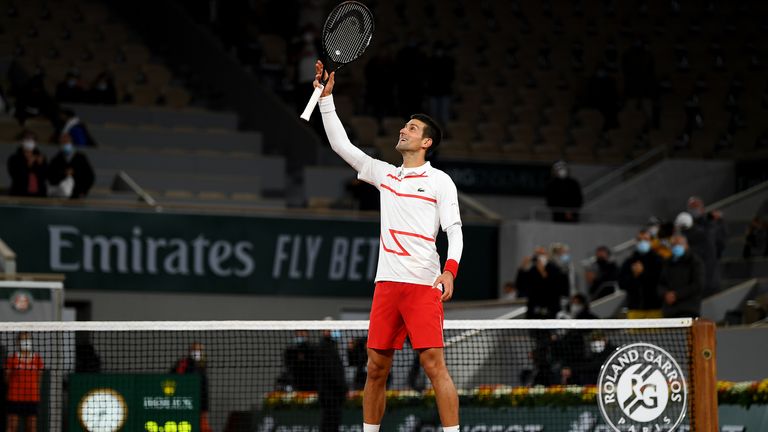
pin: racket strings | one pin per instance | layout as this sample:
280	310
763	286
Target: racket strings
347	32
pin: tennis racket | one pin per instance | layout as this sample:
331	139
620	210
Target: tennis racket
346	34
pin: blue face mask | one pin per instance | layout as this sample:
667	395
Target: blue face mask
565	258
643	246
678	251
336	334
67	148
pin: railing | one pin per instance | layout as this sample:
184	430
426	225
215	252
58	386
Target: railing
543	213
124	182
476	206
740	196
7	259
599	186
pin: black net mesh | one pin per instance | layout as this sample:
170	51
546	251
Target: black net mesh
347	32
267	379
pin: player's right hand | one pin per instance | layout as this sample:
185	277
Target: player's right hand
328	89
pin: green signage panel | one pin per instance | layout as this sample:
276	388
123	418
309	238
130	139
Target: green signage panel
503	419
134	402
113	250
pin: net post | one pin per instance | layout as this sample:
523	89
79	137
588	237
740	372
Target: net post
704	376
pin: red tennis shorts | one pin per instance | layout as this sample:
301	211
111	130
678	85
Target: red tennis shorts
401	309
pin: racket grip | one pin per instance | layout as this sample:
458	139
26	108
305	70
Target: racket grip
312	102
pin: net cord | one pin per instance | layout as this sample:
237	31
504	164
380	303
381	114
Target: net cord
338	325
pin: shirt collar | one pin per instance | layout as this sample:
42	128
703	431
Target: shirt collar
402	171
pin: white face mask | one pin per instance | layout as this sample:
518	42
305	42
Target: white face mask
597	346
196	355
576	309
25	345
561	173
543	260
28	145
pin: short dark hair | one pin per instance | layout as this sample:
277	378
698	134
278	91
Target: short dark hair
432	130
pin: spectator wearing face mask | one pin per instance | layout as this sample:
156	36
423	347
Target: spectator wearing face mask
563	195
603	274
544	283
195	363
707	237
578	308
561	257
102	90
28	169
70	171
701	239
23	370
71	90
681	284
639	277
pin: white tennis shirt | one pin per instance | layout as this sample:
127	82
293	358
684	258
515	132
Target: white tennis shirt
415	203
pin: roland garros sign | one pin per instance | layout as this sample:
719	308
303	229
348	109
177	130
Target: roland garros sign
641	388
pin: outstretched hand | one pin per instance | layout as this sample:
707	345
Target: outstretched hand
330	79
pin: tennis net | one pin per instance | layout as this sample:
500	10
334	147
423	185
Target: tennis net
511	375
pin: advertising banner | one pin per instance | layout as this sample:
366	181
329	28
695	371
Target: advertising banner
148	251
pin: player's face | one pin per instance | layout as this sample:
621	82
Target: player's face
412	138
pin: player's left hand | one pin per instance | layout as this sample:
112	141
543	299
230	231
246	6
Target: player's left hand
447	280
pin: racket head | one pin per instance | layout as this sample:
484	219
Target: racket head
347	32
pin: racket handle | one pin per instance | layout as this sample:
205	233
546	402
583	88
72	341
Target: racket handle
312	102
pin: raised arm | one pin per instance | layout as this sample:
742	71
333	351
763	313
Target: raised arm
337	136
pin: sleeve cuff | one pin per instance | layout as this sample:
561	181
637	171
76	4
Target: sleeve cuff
326	104
452	266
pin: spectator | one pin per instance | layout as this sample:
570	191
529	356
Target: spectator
70	171
756	243
563	193
441	70
568	346
603	274
706	235
600	348
639	277
543	282
713	220
33	100
23	370
299	359
195	363
509	291
28	168
103	90
682	281
578	308
78	132
661	243
71	90
561	256
331	382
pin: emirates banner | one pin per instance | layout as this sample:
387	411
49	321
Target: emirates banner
148	251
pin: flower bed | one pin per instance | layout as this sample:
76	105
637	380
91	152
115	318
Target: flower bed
728	393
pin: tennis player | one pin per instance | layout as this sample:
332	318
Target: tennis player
416	199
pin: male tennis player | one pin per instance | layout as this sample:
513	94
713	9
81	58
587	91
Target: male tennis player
416	199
